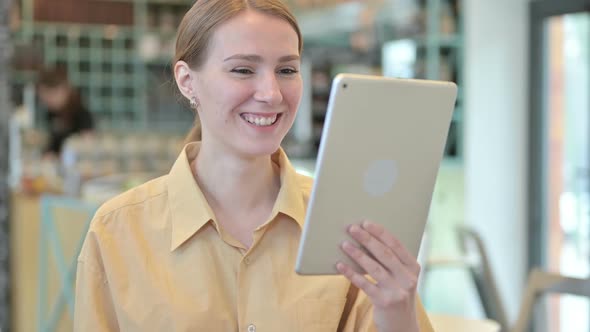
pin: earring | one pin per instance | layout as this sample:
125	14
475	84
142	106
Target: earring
193	103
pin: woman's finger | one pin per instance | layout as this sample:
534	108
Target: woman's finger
392	242
360	281
382	253
381	275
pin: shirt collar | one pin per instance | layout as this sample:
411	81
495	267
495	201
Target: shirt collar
290	200
190	211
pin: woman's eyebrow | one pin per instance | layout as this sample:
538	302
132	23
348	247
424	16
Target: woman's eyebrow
258	59
288	58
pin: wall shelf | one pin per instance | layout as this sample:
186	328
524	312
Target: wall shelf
438	47
124	71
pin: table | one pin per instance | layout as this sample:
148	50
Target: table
448	323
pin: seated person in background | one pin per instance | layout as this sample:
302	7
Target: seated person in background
66	114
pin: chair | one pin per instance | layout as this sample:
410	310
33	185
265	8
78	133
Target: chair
474	258
483	277
447	323
64	223
540	283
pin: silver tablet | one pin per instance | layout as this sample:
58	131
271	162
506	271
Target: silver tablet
379	156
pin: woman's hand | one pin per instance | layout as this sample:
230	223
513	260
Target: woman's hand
394	271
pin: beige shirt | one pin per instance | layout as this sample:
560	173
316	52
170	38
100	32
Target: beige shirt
155	259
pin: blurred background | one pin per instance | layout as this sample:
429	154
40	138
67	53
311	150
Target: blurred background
88	109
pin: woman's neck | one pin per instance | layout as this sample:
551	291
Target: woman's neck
235	185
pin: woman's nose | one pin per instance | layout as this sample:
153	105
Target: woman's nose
269	90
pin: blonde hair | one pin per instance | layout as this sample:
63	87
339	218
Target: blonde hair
198	25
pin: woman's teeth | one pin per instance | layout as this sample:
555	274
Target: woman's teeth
260	120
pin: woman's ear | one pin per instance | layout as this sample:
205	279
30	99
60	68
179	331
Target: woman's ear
184	79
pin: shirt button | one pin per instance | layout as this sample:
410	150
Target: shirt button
247	261
251	328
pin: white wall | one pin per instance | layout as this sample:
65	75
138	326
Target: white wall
496	61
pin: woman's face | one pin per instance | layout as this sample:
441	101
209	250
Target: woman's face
249	87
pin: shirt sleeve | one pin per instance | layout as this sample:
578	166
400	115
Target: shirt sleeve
360	318
94	310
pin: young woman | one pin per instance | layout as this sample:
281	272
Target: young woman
211	246
66	114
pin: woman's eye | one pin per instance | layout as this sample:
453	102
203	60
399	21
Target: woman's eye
243	71
288	71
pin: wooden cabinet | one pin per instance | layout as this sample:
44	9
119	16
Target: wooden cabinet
25	261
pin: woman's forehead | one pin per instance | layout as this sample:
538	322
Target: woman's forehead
255	33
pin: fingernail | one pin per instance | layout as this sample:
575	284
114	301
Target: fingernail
340	266
346	245
354	228
366	224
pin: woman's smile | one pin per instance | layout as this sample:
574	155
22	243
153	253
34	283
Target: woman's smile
261	120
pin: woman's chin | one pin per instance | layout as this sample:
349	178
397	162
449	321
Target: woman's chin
261	149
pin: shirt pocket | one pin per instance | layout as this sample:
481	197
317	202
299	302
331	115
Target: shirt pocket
319	315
